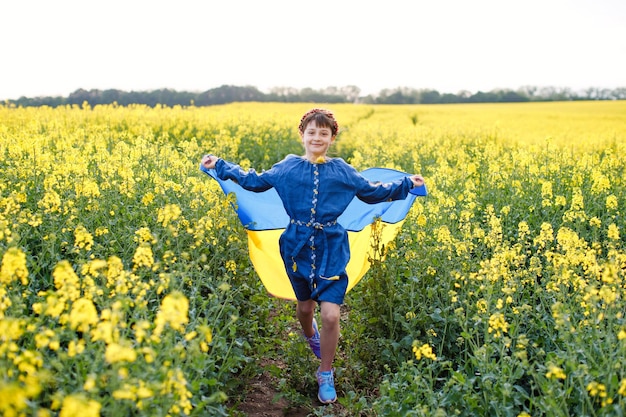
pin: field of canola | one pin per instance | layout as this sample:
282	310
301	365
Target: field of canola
125	286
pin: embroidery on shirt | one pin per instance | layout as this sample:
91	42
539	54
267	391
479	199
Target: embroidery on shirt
316	185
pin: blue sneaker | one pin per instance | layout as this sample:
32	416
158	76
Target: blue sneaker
314	341
326	381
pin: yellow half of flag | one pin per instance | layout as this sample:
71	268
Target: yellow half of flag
265	256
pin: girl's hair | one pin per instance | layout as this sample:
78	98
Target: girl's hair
322	118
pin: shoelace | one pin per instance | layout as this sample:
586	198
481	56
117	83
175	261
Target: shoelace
325	378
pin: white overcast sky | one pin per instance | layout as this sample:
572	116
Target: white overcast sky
54	47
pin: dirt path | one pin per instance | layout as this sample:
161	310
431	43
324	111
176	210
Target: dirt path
260	400
262	397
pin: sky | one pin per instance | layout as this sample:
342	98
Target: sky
53	48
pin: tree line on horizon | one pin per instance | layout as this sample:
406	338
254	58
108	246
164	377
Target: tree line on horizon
349	94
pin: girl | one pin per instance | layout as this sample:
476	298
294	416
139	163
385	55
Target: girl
315	190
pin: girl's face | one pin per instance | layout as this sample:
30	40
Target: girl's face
316	140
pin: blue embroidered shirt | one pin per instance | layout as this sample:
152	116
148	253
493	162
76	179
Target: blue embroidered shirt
314	196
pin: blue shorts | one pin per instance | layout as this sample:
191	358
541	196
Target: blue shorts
323	289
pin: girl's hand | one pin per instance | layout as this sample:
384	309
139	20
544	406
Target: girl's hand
417	180
208	161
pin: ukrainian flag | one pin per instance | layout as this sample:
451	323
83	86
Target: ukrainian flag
264	218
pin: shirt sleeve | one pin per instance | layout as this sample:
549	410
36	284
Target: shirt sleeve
249	180
379	192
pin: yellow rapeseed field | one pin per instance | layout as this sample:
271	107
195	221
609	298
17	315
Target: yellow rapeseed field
124	270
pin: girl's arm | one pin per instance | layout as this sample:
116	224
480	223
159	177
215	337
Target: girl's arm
250	180
396	190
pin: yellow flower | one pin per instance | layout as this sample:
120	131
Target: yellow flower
497	324
522	342
124	394
11	329
105	331
148	354
50	203
115	352
13	399
143	235
523	230
613	232
546	235
147	198
13	267
122	373
93	268
90	383
87	188
66	280
75	348
43	338
595	222
173	311
54	306
28	361
169	257
5	302
101	231
140	330
78	405
168	214
82	238
423	351
35	220
443	235
42	412
83	315
596	389
560	200
622	388
143	391
546	190
554	372
600	182
176	384
143	257
231	266
611	202
133	392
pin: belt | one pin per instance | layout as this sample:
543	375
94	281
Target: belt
313	226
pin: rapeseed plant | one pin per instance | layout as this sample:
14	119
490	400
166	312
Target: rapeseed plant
13	267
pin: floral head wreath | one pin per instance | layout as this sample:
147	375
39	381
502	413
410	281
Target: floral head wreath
327	113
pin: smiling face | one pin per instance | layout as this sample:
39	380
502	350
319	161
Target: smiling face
316	140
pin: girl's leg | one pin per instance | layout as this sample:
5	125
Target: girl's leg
329	333
304	313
